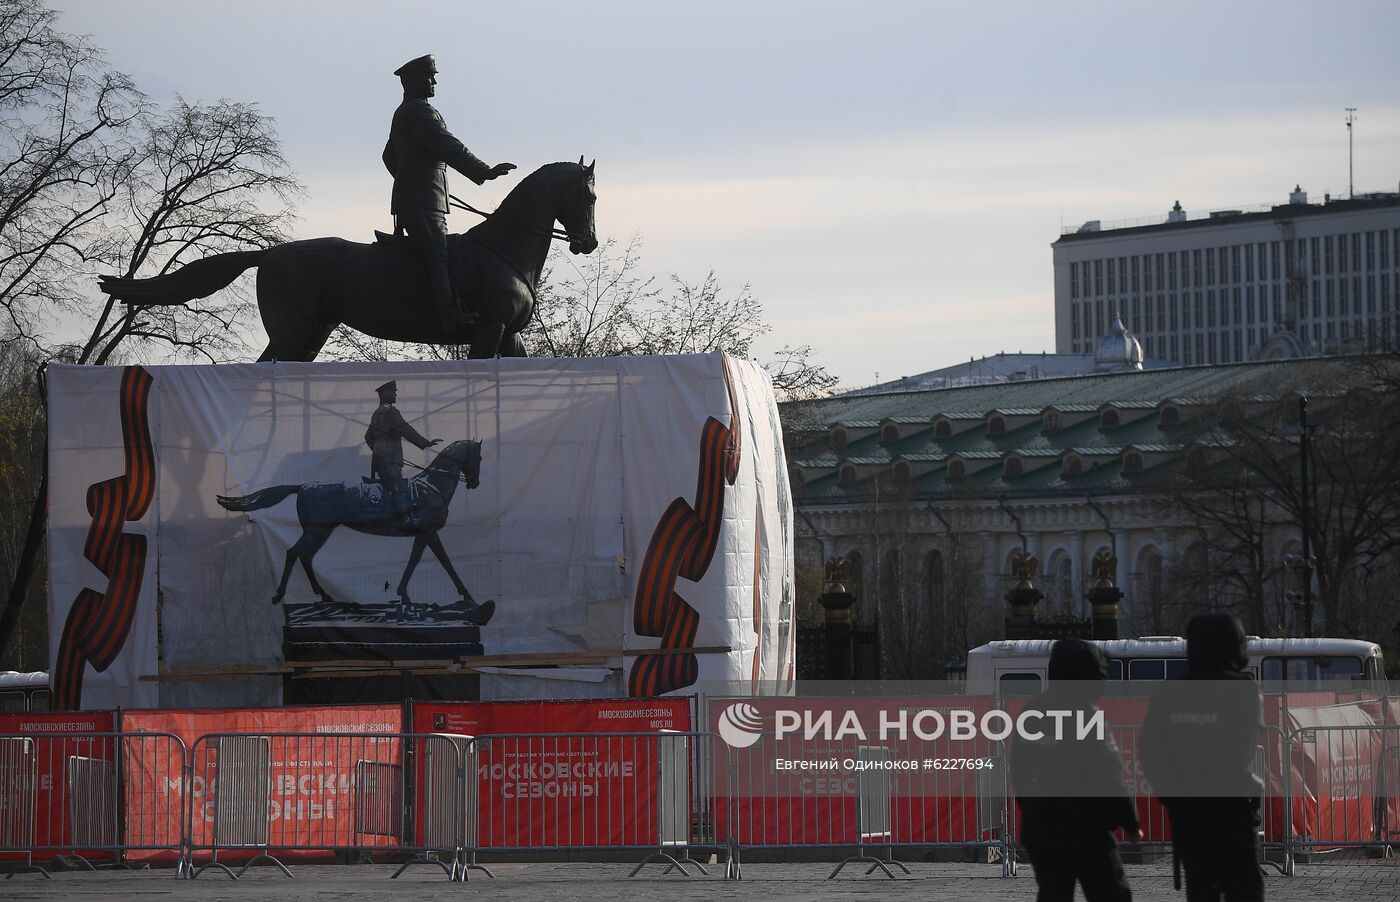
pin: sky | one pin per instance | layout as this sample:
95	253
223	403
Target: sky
888	177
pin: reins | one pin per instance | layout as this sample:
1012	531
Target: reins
461	477
556	234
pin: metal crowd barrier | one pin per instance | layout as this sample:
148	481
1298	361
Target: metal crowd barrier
449	798
1342	786
132	798
873	818
899	794
85	798
652	792
269	796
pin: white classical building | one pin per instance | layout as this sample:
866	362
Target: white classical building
1227	286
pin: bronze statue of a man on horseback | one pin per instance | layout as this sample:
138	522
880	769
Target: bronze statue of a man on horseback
476	288
420	284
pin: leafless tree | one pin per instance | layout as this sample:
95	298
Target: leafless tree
96	180
22	428
1245	485
604	305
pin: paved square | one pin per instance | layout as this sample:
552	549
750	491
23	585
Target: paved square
574	882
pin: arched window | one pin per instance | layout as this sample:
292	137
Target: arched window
943	429
1012	467
1132	462
848	473
901	471
1170	416
1051	421
838	439
996	426
1109	420
889	433
956	469
1062	579
1149	590
1073	465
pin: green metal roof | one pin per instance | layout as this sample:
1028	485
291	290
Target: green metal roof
1144	391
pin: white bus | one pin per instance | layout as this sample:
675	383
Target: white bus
23	691
1017	667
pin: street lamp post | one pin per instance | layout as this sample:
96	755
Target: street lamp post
1306	565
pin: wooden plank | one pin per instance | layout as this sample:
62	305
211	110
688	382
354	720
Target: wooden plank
348	667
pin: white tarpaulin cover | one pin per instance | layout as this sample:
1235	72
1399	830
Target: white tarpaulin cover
620	504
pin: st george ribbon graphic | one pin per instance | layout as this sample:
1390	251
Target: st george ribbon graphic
682	545
99	622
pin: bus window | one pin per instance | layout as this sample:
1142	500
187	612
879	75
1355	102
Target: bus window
1313	669
1017	684
39	700
1147	669
1177	668
11	701
1115	669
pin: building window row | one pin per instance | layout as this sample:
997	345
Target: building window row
1264	261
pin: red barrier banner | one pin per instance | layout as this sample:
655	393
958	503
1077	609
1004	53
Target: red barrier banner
578	790
802	787
1337	761
311	778
40	768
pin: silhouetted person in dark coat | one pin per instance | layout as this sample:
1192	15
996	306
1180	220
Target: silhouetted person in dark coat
1070	790
1197	749
419	150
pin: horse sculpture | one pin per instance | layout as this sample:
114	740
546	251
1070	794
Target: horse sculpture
307	288
364	508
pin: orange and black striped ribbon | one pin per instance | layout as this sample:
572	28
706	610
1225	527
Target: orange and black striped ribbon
682	546
99	622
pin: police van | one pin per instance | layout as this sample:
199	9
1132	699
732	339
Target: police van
1017	667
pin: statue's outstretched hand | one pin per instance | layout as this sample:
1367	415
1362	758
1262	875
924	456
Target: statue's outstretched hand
436	441
499	170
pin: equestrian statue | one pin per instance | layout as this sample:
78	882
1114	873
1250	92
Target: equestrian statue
421	284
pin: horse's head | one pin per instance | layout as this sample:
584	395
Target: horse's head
464	457
575	207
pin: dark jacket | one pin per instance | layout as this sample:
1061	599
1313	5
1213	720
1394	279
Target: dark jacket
1202	729
1071	791
387	429
419	150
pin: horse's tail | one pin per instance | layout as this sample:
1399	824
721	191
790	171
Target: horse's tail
258	500
193	280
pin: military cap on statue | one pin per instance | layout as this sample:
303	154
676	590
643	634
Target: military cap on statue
423	65
388	387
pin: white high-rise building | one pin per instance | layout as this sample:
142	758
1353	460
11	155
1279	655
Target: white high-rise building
1281	280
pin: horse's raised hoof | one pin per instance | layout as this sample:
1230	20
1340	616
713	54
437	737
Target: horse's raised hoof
469	611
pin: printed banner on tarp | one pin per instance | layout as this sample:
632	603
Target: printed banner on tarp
418	510
36	753
312	788
1337	762
574	790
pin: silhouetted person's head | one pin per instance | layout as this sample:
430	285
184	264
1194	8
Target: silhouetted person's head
419	77
1077	670
388	392
1216	642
